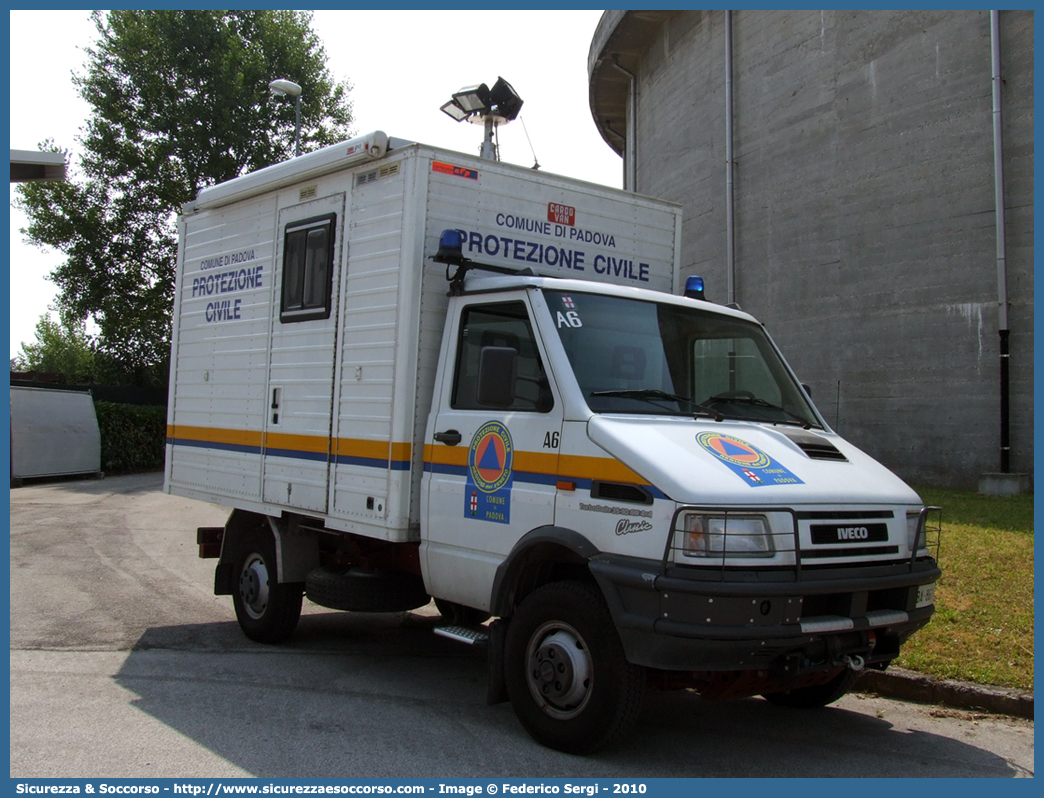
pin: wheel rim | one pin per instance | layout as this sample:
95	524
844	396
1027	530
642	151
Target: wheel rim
559	670
253	586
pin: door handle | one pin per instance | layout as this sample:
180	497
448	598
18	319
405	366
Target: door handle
450	437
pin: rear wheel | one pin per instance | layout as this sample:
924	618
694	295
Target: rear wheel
267	611
818	695
567	677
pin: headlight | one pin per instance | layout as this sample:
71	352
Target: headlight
916	532
715	535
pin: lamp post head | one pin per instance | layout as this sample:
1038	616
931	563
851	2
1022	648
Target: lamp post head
287	88
282	88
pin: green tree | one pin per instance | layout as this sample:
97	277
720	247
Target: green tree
61	347
179	101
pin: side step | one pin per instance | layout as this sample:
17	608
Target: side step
462	634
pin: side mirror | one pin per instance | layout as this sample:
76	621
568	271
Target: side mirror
808	389
498	370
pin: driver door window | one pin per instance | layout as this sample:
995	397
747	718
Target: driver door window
502	325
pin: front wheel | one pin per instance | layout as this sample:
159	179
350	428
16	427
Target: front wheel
567	677
266	610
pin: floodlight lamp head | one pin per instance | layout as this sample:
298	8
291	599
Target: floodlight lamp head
473	99
282	88
505	100
454	111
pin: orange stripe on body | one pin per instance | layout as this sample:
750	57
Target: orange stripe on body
563	466
373	450
580	467
441	454
351	447
237	437
536	462
297	443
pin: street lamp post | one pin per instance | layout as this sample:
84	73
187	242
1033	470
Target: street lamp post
283	88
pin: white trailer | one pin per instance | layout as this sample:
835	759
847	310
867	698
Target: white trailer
415	374
54	432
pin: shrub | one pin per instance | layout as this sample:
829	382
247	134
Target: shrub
132	436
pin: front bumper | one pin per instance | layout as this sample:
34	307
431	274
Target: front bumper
691	619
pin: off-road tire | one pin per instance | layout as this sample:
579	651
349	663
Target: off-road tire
267	611
567	677
356	590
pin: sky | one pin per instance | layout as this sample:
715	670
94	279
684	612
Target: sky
403	65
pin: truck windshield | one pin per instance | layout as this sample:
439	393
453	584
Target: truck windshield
632	356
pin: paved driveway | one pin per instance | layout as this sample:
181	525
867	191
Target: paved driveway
124	663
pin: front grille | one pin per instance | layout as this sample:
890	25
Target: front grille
814	540
843	515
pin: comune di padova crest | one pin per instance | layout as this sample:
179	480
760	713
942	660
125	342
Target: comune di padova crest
487	495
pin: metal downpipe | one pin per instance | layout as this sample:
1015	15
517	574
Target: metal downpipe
630	167
1002	262
730	220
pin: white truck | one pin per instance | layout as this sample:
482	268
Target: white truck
414	374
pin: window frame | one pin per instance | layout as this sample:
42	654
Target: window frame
459	402
316	311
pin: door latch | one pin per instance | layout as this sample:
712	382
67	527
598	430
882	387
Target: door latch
450	437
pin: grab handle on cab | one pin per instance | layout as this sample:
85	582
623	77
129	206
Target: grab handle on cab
450	437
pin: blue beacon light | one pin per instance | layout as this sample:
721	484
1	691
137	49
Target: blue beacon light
451	247
694	287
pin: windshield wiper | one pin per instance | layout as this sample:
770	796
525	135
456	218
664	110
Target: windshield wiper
656	393
745	397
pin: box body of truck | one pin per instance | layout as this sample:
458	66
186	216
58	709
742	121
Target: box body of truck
321	407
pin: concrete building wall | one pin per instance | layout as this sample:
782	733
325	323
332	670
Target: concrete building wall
864	207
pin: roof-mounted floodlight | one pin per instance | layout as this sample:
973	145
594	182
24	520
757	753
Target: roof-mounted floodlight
505	100
473	99
452	109
485	106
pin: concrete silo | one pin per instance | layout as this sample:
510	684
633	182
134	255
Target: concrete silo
839	174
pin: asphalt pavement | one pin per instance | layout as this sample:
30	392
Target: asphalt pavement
124	664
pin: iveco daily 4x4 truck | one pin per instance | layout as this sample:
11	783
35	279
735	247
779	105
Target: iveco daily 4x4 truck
413	375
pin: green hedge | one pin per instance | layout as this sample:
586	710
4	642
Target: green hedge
132	436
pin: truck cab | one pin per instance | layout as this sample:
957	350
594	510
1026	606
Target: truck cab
656	453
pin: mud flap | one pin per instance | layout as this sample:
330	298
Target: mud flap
496	687
224	579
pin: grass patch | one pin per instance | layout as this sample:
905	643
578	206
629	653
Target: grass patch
982	630
1012	513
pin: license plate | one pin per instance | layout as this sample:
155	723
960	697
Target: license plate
925	595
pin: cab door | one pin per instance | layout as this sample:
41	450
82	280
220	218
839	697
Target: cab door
492	460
